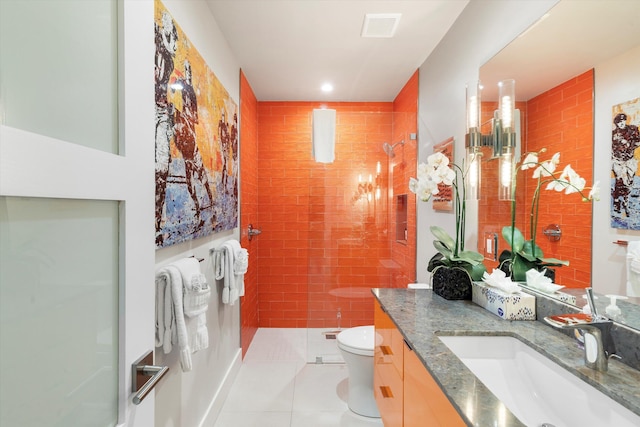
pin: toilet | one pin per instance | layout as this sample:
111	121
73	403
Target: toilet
356	346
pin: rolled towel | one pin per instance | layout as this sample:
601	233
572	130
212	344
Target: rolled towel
181	326
241	262
196	296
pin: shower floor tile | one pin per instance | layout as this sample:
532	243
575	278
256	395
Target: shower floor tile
277	388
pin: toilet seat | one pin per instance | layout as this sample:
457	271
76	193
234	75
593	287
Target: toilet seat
358	340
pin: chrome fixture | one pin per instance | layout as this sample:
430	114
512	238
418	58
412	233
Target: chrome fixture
253	231
553	232
502	138
388	149
145	376
596	331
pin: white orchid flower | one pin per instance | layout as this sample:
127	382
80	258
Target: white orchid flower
423	170
436	160
594	194
576	181
530	161
557	185
545	169
443	174
423	188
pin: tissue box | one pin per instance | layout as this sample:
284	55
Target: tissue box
566	298
517	306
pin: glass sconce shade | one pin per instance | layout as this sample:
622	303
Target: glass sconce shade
473	106
507	103
474	173
505	175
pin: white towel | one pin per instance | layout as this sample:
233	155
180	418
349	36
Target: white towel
324	135
196	289
171	325
230	263
195	302
633	268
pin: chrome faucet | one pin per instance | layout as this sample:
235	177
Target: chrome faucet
598	341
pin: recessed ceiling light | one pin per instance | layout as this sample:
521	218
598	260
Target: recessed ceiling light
327	87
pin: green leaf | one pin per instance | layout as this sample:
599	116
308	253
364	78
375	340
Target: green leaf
477	271
442	236
528	249
443	249
436	261
553	262
518	238
519	268
470	257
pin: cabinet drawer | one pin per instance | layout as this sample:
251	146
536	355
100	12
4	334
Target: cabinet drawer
388	392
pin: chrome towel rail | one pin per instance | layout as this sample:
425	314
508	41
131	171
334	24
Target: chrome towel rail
145	376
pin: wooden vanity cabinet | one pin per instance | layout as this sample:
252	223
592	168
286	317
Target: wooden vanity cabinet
424	402
388	369
405	392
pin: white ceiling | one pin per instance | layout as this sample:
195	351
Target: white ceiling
288	48
571	39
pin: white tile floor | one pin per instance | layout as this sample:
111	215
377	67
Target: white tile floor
276	387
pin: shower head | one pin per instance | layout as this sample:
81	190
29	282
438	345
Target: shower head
389	148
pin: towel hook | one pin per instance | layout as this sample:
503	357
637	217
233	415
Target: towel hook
253	231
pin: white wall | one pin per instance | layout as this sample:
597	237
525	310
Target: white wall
194	398
617	81
481	31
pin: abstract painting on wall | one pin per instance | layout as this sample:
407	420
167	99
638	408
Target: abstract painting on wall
625	173
196	141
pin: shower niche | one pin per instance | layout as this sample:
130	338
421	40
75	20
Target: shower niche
401	218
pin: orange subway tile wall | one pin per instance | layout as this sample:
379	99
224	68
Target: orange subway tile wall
561	120
249	208
323	232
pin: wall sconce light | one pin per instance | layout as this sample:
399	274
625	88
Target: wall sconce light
502	138
368	189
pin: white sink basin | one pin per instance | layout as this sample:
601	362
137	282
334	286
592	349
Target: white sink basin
535	389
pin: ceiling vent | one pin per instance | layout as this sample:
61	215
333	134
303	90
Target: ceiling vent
380	24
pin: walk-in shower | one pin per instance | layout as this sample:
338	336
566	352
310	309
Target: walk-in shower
388	148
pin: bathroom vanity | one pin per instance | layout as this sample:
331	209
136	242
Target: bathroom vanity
419	317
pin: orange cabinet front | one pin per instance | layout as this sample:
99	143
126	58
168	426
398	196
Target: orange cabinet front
388	369
424	402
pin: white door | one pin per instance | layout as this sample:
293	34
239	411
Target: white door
76	210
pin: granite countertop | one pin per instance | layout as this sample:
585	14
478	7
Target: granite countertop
421	316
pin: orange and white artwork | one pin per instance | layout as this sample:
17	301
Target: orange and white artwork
196	141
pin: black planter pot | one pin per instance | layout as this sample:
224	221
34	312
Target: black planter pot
452	283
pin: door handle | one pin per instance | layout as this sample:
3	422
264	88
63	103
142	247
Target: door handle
145	376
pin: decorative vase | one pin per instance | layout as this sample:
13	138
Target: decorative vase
452	283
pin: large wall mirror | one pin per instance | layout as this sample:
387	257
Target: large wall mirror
557	64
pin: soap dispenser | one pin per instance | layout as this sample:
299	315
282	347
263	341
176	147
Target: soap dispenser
612	310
